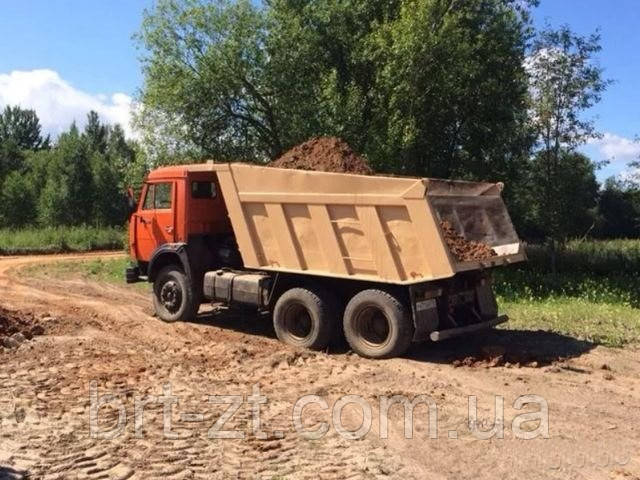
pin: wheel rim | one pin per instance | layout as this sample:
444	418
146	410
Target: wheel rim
171	296
372	326
297	321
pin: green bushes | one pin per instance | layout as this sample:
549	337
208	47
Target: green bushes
594	295
600	257
597	271
60	239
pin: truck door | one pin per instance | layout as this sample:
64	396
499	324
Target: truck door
155	219
164	225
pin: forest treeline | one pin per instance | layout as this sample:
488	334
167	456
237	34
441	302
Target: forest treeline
437	88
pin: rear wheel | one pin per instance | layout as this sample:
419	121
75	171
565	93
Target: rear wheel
173	298
377	325
305	318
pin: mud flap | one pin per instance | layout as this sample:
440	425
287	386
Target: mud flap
487	304
425	318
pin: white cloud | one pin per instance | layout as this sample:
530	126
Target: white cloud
58	103
616	148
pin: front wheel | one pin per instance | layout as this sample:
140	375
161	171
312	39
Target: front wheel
377	325
173	297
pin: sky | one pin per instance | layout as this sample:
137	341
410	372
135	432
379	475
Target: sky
66	57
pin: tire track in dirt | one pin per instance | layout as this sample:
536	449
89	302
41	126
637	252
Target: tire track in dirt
104	333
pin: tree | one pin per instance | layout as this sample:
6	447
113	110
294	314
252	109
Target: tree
453	89
95	133
426	87
632	179
68	193
19	131
564	83
22	128
108	206
619	210
205	70
17	201
575	196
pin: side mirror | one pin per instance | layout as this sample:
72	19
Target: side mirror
131	201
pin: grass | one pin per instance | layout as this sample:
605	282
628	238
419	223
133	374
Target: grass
594	295
610	324
109	270
60	240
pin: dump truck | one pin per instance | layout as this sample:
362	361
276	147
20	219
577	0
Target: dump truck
327	254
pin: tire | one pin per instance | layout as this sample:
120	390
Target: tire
377	325
173	297
305	318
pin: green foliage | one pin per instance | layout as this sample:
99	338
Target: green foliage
439	90
619	210
599	257
68	193
564	194
19	131
453	89
564	83
80	180
213	51
584	270
60	239
22	128
583	298
17	200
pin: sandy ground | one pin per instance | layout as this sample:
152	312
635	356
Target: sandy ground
106	335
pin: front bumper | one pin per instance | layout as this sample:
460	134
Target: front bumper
440	335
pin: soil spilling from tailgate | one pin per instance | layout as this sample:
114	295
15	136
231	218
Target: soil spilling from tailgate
465	250
324	154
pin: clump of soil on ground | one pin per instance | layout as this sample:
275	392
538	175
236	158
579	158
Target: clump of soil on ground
17	327
324	154
465	250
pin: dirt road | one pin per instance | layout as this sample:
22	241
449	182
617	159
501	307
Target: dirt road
105	334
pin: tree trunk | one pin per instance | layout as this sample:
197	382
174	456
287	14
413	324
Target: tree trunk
553	256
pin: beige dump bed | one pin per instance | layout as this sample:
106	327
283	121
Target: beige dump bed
364	227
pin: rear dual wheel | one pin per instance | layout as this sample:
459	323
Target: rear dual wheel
377	325
305	318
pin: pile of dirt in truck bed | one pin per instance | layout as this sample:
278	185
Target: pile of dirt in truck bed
465	250
332	154
324	154
15	328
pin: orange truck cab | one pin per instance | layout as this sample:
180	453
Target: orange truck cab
177	205
325	253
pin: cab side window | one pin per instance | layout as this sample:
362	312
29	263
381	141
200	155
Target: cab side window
162	196
148	199
203	189
158	197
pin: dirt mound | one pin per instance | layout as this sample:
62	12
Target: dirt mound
324	154
465	250
16	327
